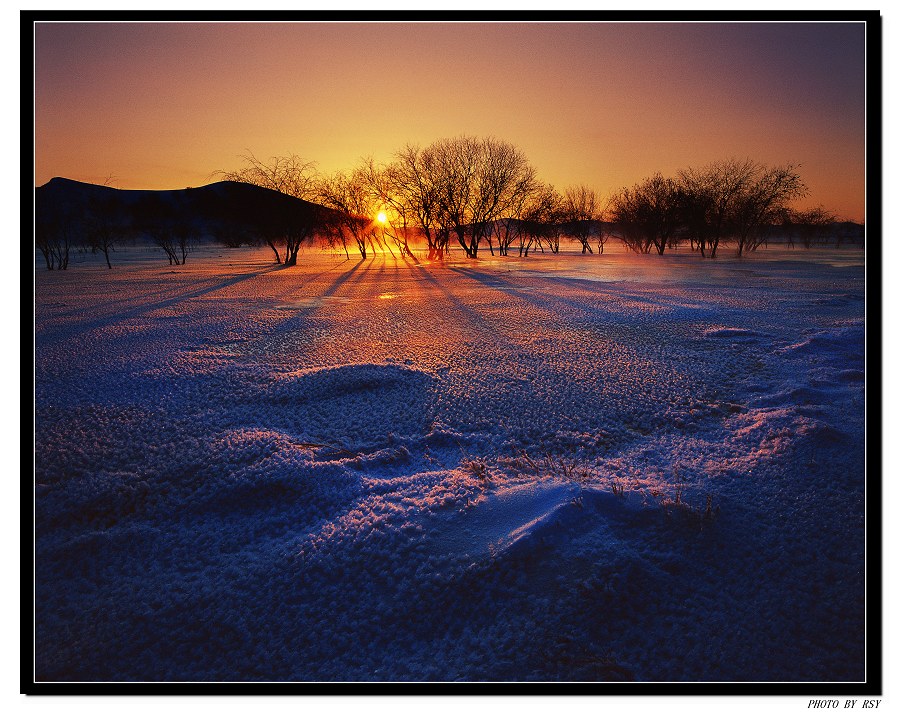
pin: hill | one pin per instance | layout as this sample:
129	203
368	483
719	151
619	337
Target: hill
224	206
71	212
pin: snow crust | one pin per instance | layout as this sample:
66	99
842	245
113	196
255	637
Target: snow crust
560	468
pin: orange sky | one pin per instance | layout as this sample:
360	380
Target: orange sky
162	106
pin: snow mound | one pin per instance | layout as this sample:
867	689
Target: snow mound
800	395
730	333
516	520
845	342
362	406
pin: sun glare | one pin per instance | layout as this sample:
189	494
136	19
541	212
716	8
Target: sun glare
382	217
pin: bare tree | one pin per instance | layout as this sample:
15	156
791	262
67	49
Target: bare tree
351	196
552	220
734	199
539	211
522	217
647	214
707	200
408	186
583	217
54	236
454	172
290	175
767	194
385	196
810	226
105	225
56	230
849	232
601	233
161	222
477	181
506	232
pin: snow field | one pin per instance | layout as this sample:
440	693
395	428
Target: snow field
560	468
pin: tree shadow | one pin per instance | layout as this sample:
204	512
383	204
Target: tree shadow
476	321
80	327
546	300
302	313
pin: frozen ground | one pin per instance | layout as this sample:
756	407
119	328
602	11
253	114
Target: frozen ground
556	468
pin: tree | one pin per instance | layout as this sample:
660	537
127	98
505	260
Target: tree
297	222
765	197
351	196
647	214
734	199
166	226
849	232
551	218
708	198
408	186
290	175
399	213
810	226
54	237
540	209
56	228
476	182
582	216
105	225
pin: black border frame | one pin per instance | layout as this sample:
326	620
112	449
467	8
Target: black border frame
872	686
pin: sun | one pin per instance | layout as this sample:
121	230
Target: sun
382	217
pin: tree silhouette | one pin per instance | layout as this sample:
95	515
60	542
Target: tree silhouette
292	175
166	226
351	196
476	182
288	225
105	225
767	194
583	217
647	214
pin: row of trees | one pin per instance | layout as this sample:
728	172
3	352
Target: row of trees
61	228
731	201
466	191
483	192
100	224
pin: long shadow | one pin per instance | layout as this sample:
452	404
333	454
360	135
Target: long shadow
65	331
341	279
497	282
309	279
162	289
301	314
475	320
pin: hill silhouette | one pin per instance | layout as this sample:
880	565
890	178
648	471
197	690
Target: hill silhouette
224	207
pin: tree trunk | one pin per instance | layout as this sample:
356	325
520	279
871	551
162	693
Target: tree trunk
271	244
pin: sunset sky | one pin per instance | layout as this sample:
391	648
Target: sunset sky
160	106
